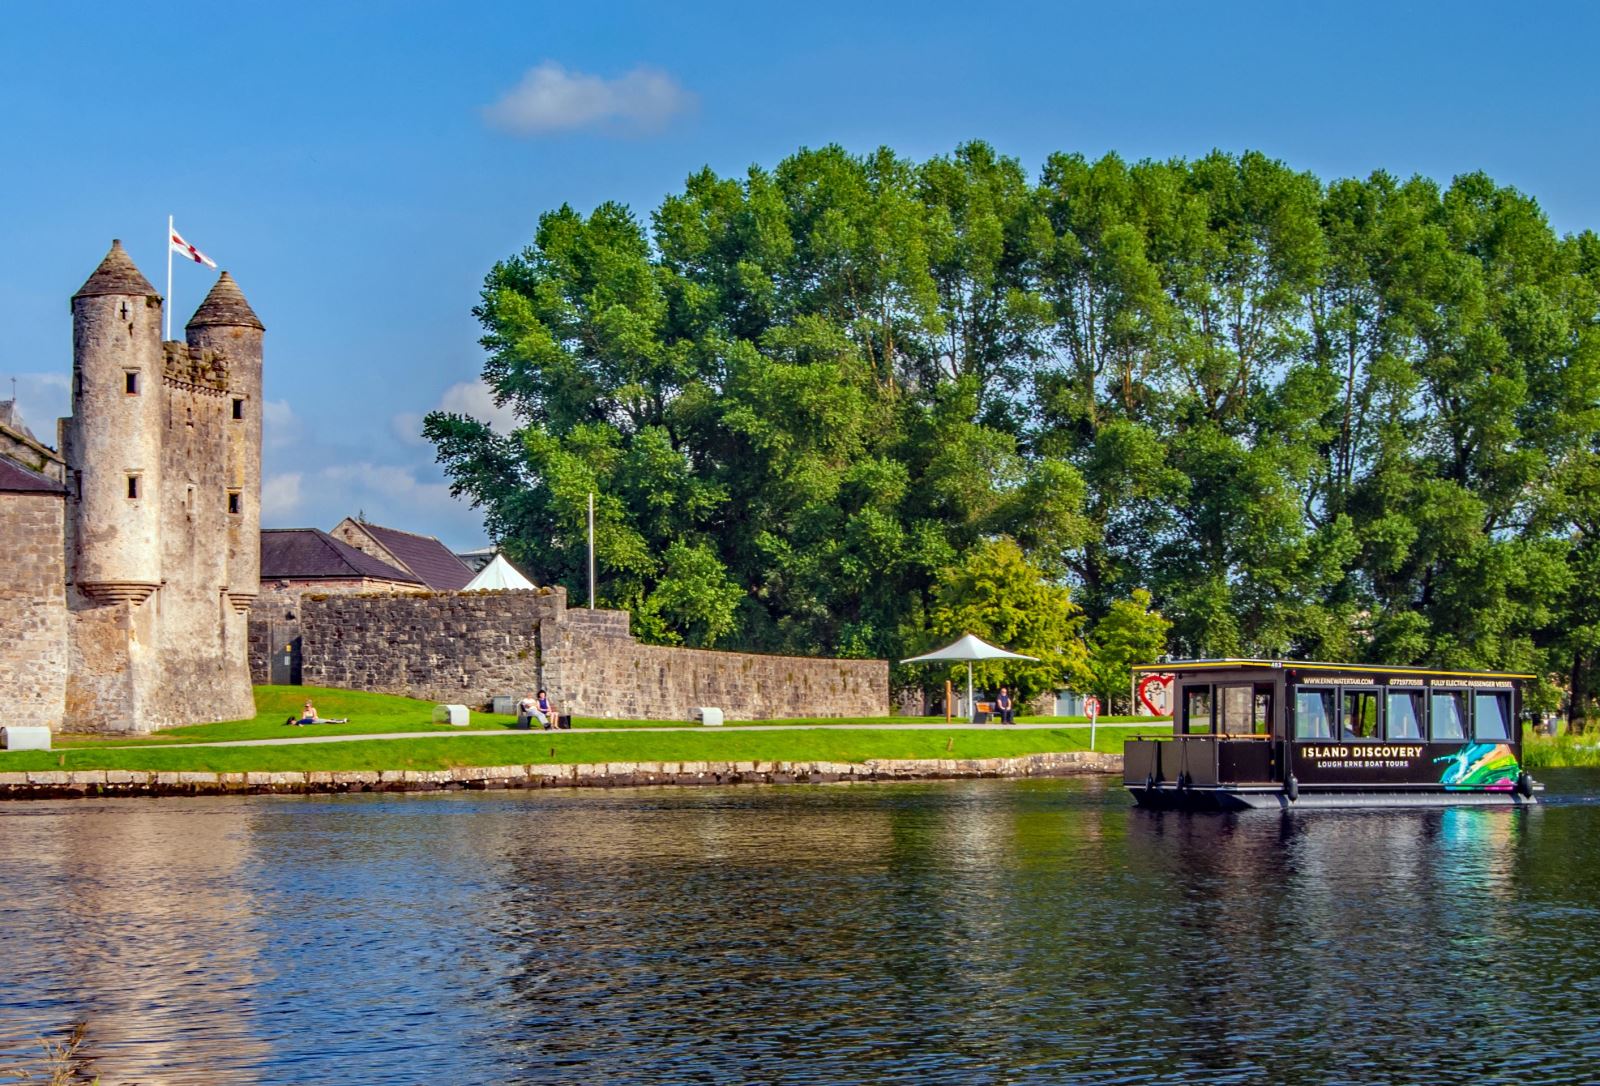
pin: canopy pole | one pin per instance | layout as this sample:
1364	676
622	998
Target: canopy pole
972	706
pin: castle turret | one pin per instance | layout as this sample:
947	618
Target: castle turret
114	438
226	324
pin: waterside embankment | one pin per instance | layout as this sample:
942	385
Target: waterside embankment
94	783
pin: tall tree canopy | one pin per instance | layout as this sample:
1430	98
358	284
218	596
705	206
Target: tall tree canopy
1357	420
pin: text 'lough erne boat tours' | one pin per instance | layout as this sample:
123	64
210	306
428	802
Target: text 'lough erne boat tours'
1282	734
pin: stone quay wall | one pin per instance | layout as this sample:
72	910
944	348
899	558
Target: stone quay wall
72	784
33	608
470	647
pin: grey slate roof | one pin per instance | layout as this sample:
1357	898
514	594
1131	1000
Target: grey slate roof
225	305
290	554
116	275
17	479
424	556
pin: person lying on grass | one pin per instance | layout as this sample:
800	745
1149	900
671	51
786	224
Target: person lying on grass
308	715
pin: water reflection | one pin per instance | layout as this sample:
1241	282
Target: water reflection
980	931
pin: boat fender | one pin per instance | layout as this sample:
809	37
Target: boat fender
1149	782
1291	788
1524	785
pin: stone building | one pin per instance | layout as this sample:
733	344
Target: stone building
132	553
422	556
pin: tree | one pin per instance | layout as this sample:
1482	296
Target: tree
998	595
837	405
1131	633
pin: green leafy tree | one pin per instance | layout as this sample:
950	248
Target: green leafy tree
1131	633
997	594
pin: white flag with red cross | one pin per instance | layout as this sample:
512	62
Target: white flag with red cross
183	248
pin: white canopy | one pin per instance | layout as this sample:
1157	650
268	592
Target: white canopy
967	648
498	574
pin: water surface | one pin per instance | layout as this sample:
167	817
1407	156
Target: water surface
1006	932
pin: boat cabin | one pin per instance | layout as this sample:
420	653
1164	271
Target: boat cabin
1278	733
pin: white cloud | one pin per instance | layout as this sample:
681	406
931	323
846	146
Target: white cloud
471	398
407	426
393	487
552	99
280	427
280	495
474	398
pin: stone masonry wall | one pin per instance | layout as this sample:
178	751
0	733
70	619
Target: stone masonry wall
605	673
452	647
471	646
275	614
33	608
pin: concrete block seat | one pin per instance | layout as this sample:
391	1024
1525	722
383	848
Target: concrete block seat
24	737
454	715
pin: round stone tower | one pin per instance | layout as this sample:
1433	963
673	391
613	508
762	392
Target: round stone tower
114	440
226	324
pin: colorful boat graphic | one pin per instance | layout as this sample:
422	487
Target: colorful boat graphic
1480	766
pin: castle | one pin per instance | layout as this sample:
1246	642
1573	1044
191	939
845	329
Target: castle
129	558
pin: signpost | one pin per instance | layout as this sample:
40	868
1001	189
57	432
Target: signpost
1091	706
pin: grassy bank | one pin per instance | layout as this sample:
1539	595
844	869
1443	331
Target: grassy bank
373	713
620	745
1560	751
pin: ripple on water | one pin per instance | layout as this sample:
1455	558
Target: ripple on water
1027	932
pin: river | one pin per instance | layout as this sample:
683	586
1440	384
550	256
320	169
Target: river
972	932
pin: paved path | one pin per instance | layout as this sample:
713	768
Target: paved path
297	740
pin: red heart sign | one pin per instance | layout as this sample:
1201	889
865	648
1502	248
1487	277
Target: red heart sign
1163	681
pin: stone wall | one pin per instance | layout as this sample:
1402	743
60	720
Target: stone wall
84	783
596	671
452	647
470	647
33	630
275	614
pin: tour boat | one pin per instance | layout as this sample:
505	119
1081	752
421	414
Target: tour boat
1284	734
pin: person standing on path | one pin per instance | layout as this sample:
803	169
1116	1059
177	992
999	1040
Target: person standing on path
1003	703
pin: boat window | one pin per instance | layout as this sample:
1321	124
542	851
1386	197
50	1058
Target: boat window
1238	710
1313	714
1403	710
1197	710
1490	716
1448	716
1263	714
1360	719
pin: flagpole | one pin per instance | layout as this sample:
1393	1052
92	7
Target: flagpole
591	550
169	277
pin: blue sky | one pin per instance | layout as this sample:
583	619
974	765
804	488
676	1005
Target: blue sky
359	167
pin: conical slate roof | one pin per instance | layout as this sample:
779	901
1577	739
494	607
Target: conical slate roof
225	305
116	275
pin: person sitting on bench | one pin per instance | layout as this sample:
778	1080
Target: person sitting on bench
308	715
546	712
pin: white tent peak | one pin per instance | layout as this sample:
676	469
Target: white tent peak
967	647
497	575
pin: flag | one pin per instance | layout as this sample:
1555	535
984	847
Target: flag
183	248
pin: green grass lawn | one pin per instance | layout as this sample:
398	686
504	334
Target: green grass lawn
370	713
522	748
1559	751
